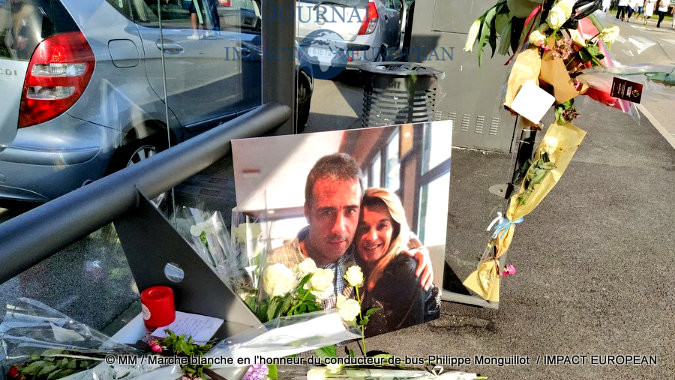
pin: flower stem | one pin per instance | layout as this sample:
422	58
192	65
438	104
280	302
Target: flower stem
363	330
296	305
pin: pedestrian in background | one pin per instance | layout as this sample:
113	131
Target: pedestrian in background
621	12
632	8
663	9
649	10
606	4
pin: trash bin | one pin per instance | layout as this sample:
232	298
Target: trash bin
398	92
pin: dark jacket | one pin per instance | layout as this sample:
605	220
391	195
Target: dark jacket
402	300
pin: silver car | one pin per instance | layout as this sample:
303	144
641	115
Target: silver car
372	29
84	81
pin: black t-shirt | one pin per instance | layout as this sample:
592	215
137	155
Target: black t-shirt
402	300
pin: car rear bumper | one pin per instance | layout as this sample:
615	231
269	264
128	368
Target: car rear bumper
27	182
53	158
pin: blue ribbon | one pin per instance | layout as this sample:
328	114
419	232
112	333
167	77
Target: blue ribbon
503	225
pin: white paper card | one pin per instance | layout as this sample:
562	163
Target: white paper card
200	327
532	102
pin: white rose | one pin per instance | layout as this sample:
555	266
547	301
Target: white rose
306	267
610	34
321	283
348	309
278	280
334	368
198	228
354	276
577	37
473	34
556	17
549	144
537	38
316	373
567	6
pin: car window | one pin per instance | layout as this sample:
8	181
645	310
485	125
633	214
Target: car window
24	23
193	14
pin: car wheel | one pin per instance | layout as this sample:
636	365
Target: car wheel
381	54
135	152
304	99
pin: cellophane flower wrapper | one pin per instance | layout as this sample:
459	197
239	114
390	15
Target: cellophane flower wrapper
560	143
213	245
208	235
658	80
250	241
31	327
287	336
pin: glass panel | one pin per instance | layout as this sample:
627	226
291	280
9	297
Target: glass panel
90	281
375	170
393	164
434	197
437	146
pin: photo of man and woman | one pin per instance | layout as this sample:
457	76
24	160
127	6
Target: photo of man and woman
374	197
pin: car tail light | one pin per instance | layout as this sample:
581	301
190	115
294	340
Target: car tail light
370	22
58	73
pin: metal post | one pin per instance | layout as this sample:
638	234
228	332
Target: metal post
278	58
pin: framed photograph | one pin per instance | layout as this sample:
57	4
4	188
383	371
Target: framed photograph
377	197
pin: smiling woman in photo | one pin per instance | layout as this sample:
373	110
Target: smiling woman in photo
390	282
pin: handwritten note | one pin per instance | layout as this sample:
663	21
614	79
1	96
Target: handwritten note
200	327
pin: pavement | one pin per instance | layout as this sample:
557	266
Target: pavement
593	259
641	43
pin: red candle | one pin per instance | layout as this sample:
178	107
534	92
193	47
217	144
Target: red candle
158	307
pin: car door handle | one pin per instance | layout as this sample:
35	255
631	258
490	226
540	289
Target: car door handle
169	47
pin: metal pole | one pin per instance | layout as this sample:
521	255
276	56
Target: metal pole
278	58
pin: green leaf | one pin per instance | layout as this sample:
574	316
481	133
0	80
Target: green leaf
351	353
250	302
304	280
326	352
63	373
493	36
286	306
52	352
273	371
34	367
46	370
372	311
262	311
72	364
272	309
485	31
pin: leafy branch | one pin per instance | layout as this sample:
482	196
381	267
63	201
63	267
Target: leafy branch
535	175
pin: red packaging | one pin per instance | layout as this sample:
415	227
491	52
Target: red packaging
158	307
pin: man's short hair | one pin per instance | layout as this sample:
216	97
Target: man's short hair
336	167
